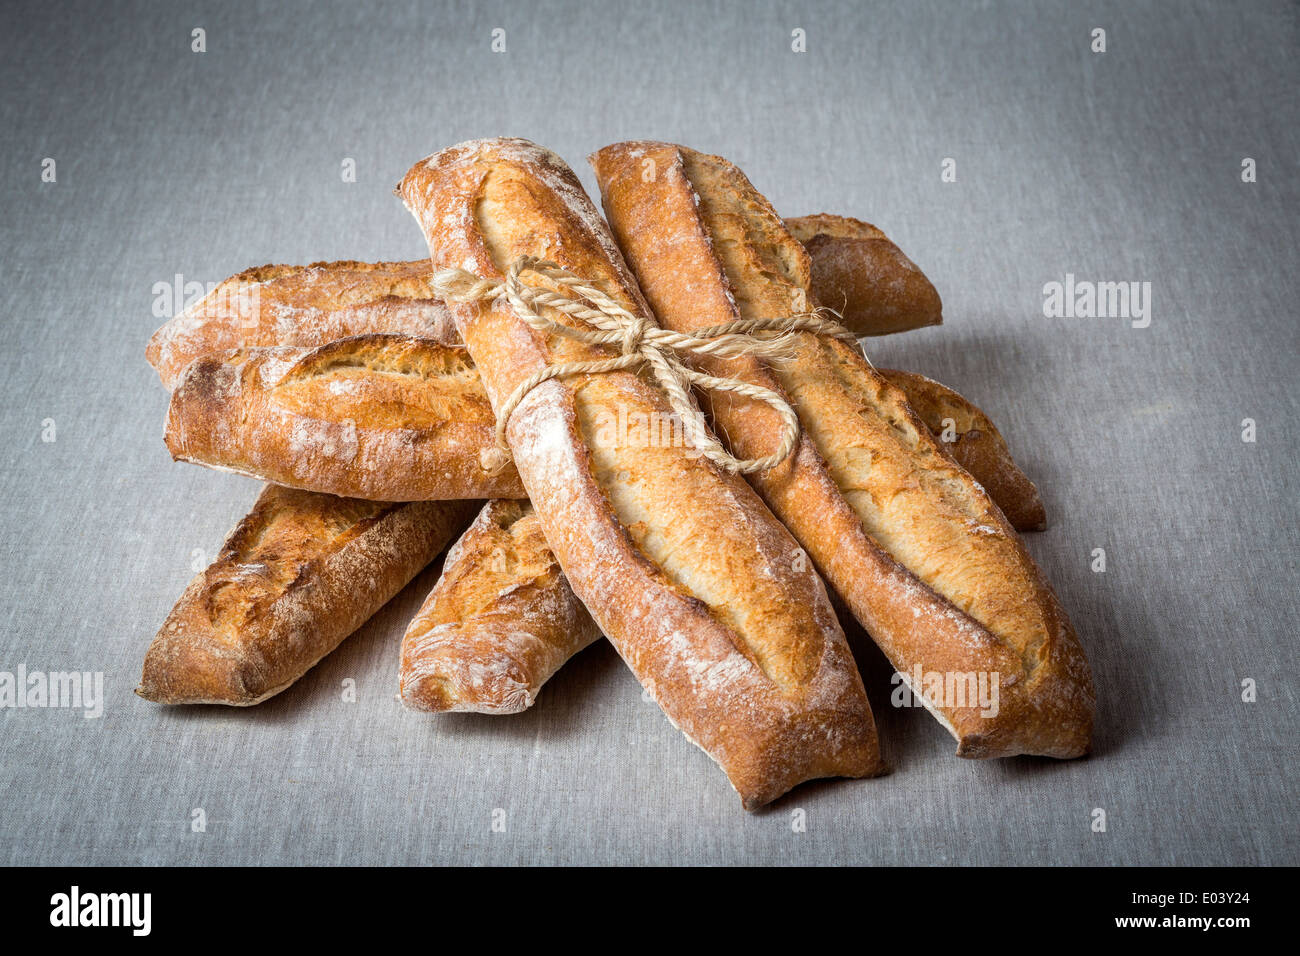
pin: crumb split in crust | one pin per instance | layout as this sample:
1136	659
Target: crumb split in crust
301	306
976	445
500	621
380	417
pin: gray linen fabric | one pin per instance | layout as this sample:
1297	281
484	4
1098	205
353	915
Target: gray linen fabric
1117	166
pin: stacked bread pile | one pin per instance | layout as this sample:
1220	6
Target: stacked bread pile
381	416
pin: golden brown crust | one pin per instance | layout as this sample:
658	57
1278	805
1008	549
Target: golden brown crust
857	270
297	575
976	445
500	621
682	566
380	417
913	545
502	618
302	306
312	305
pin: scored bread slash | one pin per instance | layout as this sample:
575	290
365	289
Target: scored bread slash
914	546
297	575
694	581
975	443
381	417
302	306
500	621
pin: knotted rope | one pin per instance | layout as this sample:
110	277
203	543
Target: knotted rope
640	342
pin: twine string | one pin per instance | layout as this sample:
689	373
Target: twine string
602	321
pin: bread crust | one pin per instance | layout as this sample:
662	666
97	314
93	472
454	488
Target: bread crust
302	306
976	445
500	621
309	306
680	565
502	618
914	546
380	417
296	576
854	264
858	271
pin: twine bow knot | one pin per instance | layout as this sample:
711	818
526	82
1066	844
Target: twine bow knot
602	321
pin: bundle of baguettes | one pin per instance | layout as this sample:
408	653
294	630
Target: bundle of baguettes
353	378
914	546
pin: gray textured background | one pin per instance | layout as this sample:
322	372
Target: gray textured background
1122	166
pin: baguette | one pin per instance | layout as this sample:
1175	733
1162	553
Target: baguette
220	435
695	583
380	417
976	445
312	305
303	306
215	422
298	574
914	546
859	271
500	621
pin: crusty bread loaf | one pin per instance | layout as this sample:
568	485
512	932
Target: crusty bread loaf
853	265
976	445
502	618
857	270
500	621
914	546
697	585
380	417
303	306
298	574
